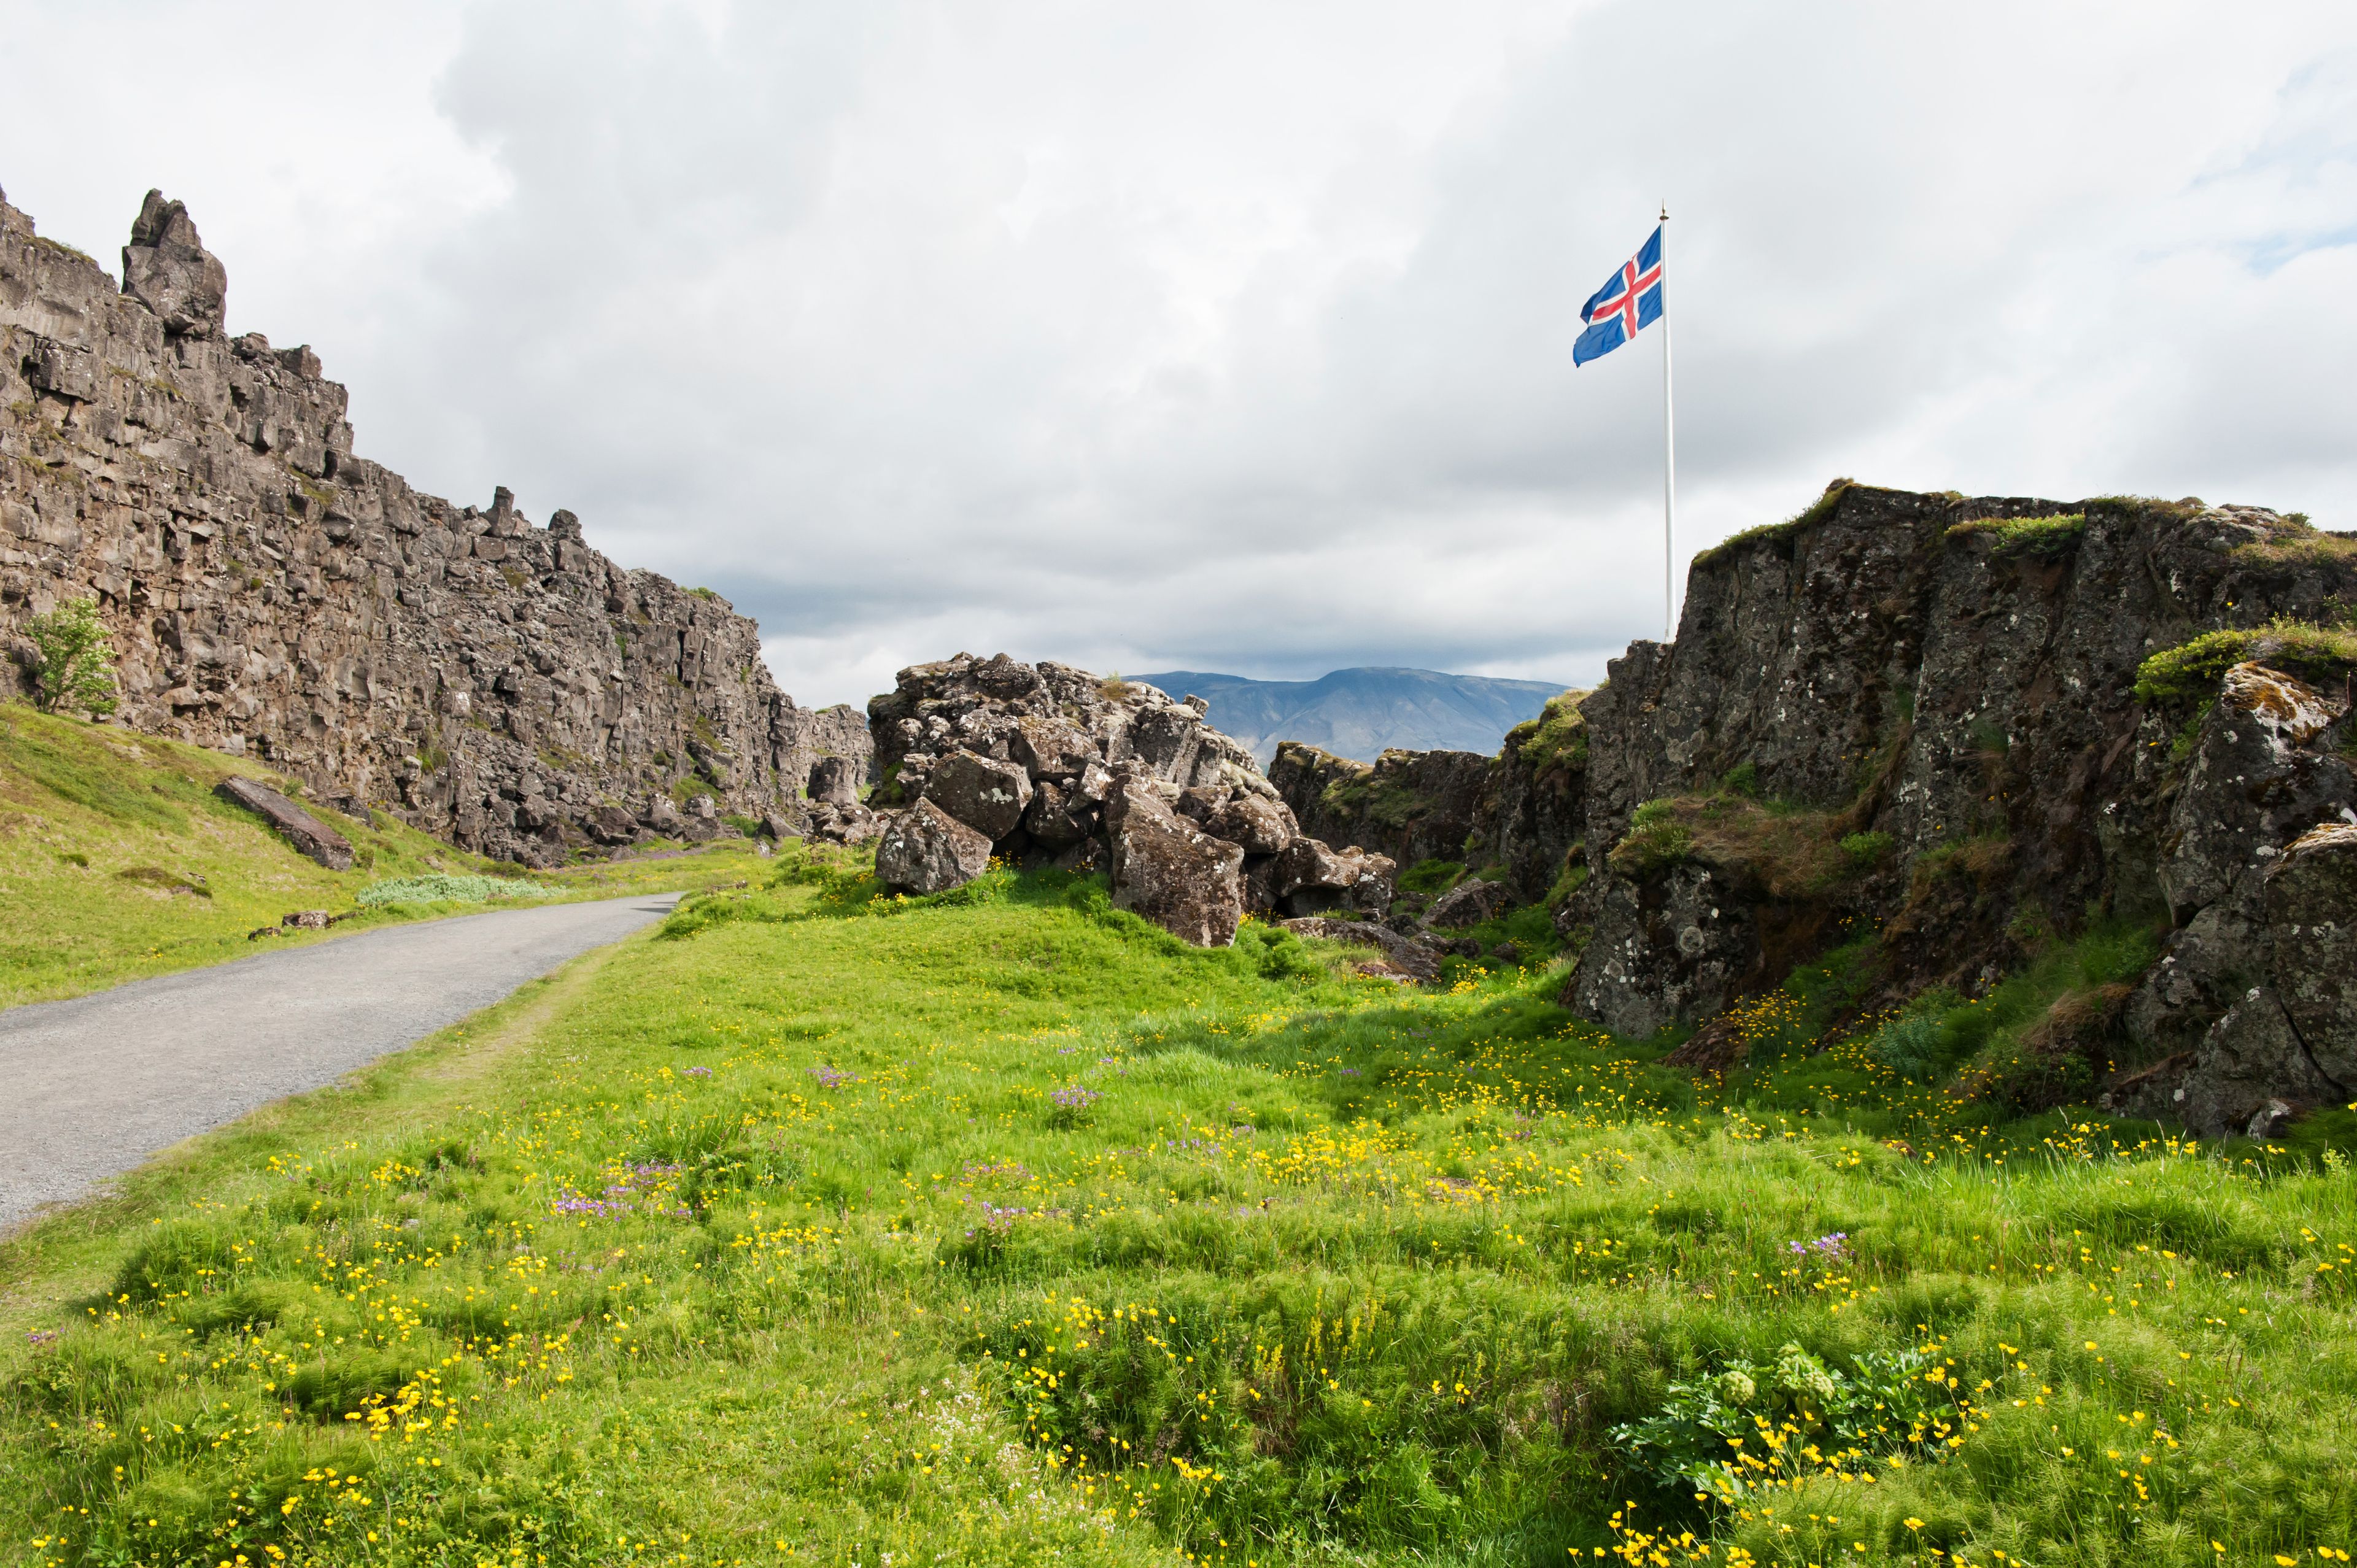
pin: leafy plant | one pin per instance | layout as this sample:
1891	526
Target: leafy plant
1751	1426
73	667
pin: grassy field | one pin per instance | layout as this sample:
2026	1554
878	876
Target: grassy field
118	861
1000	1228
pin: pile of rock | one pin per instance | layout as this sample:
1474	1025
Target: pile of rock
1049	765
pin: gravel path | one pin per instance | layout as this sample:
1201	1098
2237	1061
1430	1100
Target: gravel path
91	1087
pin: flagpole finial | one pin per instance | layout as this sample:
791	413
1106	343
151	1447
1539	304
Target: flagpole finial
1666	212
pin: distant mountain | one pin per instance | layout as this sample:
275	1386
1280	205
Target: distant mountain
1361	713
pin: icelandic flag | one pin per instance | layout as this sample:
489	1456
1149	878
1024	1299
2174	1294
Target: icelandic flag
1616	312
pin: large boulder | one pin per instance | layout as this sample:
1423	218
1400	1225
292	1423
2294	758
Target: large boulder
1680	949
1470	903
2311	904
167	269
985	794
1051	749
1059	818
303	830
926	850
1171	872
1311	878
1402	953
1261	824
835	781
2253	784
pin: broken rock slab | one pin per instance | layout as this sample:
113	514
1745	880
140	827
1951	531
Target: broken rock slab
301	828
1171	872
926	850
1470	903
1404	954
986	795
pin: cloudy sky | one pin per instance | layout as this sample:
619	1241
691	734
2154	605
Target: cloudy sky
1237	336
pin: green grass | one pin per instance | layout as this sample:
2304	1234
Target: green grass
1808	517
117	861
2189	673
1556	741
1004	1228
2043	538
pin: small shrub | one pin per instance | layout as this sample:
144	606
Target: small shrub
73	668
1869	849
1112	688
1743	779
1430	876
1556	741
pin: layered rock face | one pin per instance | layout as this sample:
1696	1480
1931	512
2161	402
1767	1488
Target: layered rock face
1917	715
1049	765
268	592
1939	692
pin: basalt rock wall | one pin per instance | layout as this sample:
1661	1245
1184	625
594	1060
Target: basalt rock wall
1916	714
271	593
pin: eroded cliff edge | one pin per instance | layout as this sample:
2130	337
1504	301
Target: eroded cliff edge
500	683
1963	729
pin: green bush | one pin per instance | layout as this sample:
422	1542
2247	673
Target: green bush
72	668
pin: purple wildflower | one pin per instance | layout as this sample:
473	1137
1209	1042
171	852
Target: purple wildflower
699	1072
1076	1097
831	1078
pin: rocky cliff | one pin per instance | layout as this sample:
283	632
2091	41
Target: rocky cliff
269	592
1973	729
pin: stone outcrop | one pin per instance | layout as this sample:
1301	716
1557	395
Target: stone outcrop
1940	693
270	593
926	850
1049	765
306	833
1920	716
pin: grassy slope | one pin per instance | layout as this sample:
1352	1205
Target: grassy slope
776	1243
117	861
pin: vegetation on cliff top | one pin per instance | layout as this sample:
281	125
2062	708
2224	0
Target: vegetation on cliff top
1554	741
2189	672
1008	1229
2044	538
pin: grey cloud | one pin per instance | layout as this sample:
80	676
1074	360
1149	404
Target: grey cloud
1237	337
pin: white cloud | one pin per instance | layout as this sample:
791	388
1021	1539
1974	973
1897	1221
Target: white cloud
1233	336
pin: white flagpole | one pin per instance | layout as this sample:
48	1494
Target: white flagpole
1669	450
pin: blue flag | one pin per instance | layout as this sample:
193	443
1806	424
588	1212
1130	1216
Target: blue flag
1631	301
